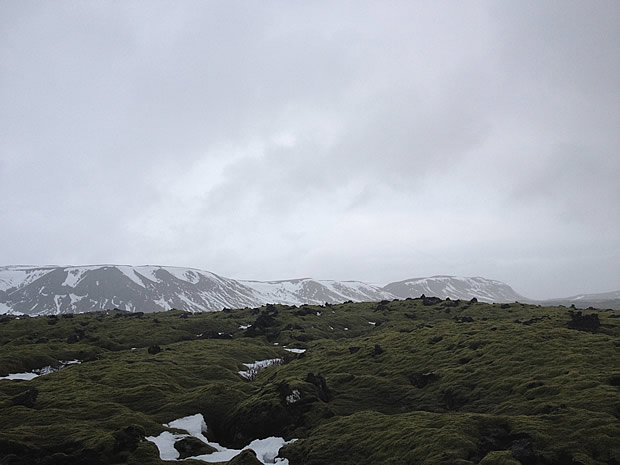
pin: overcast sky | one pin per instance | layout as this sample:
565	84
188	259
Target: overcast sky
374	141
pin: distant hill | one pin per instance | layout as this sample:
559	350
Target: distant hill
45	290
601	300
454	287
76	289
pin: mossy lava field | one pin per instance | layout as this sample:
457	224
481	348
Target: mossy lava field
416	381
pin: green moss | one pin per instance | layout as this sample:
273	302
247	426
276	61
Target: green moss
478	384
499	457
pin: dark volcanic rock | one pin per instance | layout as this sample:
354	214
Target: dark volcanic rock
190	447
535	320
523	450
581	322
453	399
614	380
319	381
428	301
420	380
263	322
154	349
215	335
305	311
128	438
519	444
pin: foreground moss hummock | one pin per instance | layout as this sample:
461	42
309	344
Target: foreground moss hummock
403	382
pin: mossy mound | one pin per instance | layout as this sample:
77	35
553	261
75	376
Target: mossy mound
190	447
246	457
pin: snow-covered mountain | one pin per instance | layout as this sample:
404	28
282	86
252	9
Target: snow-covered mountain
73	289
454	287
46	290
51	290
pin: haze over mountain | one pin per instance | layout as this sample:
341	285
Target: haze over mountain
599	300
73	289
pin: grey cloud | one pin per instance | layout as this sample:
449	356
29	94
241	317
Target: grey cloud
334	139
567	43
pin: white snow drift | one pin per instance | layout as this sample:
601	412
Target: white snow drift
266	449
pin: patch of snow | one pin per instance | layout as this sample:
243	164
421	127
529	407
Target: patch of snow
24	376
148	272
75	298
58	302
194	424
296	351
73	277
346	329
266	449
130	272
40	371
244	326
71	362
165	443
254	368
318	313
162	303
373	323
222	455
295	396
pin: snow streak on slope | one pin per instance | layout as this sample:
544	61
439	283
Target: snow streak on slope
75	274
130	272
18	276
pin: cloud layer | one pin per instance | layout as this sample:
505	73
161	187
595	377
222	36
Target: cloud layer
340	140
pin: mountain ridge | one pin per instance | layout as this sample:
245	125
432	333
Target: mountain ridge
53	289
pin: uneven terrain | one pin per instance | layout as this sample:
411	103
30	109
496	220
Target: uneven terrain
415	381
